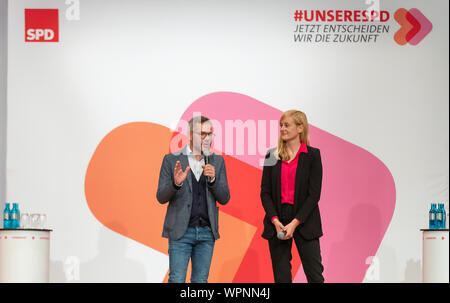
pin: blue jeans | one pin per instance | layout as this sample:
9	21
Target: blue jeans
196	244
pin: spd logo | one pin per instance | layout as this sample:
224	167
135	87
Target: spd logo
41	25
414	26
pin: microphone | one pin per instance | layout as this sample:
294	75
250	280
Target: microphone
281	235
206	153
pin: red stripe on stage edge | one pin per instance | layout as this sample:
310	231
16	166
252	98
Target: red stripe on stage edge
430	238
44	238
19	237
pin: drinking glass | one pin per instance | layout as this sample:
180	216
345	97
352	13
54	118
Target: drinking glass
35	221
24	220
42	221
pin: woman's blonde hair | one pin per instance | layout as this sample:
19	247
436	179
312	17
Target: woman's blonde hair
299	119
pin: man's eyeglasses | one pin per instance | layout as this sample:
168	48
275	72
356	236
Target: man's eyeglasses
205	134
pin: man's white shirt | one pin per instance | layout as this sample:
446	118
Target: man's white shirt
195	165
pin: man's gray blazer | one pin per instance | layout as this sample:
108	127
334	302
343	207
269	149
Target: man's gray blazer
180	200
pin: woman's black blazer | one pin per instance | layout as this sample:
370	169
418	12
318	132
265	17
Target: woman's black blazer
308	185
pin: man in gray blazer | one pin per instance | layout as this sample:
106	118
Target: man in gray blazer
191	181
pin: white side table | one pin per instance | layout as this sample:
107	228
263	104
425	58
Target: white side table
435	256
24	255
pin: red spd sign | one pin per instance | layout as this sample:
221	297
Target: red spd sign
41	25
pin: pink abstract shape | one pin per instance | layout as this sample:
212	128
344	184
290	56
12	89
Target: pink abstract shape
223	107
358	191
425	26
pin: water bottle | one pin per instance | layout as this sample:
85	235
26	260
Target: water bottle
15	216
441	216
7	216
444	216
432	216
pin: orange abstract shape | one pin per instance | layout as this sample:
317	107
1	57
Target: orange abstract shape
401	35
120	188
122	178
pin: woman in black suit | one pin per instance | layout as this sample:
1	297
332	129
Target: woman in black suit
290	192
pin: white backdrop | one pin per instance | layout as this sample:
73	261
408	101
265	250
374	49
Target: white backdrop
149	60
3	60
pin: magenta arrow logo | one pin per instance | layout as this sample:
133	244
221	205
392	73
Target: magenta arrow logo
414	26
